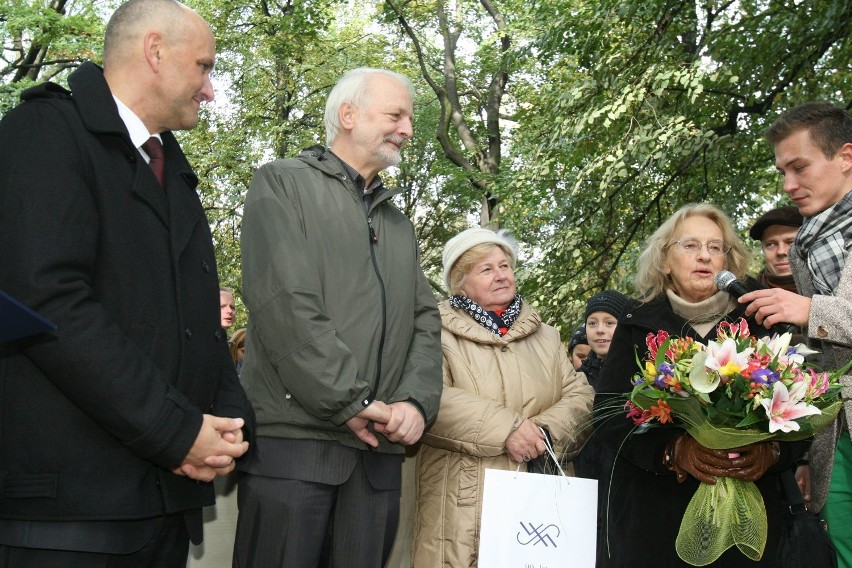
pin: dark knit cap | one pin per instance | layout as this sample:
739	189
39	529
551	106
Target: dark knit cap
609	301
788	216
578	338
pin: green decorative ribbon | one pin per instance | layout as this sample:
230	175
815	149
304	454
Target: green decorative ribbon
730	513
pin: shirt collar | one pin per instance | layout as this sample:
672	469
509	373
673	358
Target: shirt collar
135	127
359	180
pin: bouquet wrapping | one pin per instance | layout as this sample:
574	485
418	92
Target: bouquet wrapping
734	391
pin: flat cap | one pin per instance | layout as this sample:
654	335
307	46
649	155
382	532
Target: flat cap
788	216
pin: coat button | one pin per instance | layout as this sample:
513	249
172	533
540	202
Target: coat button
288	396
205	267
504	349
822	332
219	335
187	333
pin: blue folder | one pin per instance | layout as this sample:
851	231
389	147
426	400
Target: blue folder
17	320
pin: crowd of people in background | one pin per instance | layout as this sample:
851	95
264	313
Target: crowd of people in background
116	424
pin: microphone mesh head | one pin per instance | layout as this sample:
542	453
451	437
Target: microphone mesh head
724	279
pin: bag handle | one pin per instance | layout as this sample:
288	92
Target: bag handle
549	449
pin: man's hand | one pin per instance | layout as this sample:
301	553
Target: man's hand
526	442
377	412
776	305
219	442
406	424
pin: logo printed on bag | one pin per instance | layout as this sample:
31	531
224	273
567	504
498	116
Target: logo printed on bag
537	535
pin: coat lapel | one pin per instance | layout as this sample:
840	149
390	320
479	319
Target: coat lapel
185	210
95	96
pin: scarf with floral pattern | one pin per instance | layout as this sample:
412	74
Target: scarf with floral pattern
495	322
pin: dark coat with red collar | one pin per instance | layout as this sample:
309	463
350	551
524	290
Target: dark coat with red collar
94	416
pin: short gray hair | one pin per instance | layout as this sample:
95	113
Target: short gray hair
353	88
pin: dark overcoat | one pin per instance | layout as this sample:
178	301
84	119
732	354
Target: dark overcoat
94	416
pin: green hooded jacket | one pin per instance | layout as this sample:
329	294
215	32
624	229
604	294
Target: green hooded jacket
340	311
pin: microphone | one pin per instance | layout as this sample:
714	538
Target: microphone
727	282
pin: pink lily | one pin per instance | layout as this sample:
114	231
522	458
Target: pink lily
785	407
724	358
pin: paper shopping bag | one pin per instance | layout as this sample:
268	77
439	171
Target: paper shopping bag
531	520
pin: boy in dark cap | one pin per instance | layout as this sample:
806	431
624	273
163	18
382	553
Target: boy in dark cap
776	230
602	313
578	348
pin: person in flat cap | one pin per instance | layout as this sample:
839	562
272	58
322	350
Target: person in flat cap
776	230
602	313
578	347
508	386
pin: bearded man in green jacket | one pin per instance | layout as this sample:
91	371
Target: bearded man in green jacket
343	361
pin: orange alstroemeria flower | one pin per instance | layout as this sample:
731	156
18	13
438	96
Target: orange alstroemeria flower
661	411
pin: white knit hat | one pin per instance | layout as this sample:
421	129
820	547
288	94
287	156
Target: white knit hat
468	239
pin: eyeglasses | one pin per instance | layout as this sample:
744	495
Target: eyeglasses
693	246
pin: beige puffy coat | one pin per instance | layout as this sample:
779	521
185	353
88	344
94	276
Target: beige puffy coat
491	384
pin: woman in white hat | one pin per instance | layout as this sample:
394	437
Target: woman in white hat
506	377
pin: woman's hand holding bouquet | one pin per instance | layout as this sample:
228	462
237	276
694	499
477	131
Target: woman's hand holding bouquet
736	398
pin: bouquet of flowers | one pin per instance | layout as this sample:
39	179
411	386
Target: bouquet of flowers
734	391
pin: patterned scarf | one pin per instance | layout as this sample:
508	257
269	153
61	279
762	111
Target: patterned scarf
825	239
497	324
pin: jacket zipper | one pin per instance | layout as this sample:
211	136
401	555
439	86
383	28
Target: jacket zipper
374	241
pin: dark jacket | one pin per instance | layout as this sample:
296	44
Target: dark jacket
340	311
592	368
94	416
645	505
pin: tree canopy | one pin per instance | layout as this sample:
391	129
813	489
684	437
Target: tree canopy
578	126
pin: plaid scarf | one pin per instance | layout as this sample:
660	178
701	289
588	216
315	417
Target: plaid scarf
824	240
496	324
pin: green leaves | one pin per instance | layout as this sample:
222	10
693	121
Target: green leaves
578	125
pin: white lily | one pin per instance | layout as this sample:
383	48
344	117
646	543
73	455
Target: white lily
802	349
777	344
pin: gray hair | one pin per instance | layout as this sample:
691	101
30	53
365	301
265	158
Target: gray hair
353	88
651	279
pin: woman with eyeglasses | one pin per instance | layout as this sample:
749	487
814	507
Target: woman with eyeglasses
656	472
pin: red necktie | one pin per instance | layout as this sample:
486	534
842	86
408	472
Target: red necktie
154	148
